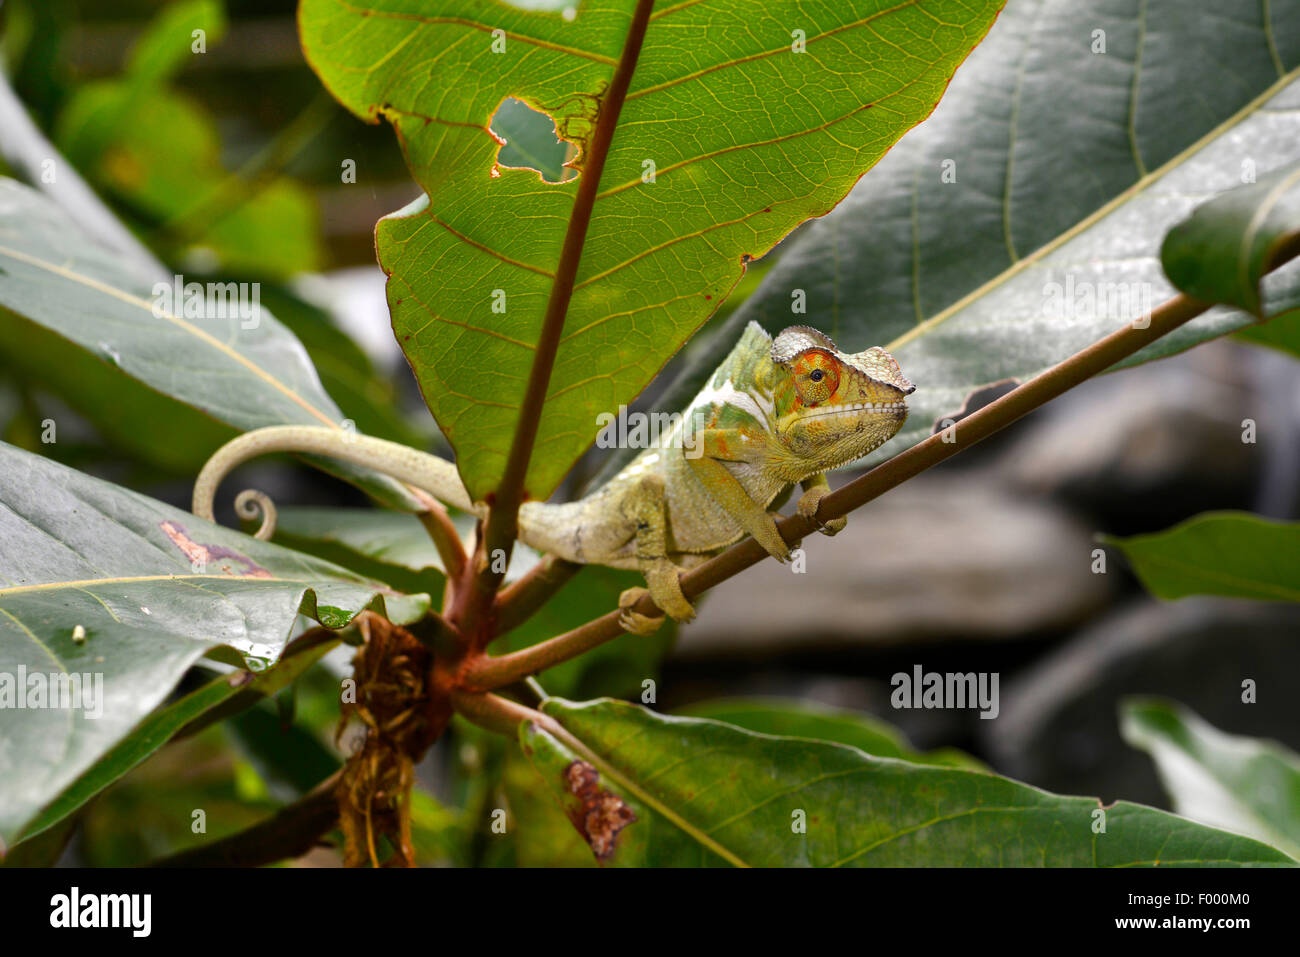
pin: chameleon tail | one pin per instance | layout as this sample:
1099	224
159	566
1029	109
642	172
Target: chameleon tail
434	475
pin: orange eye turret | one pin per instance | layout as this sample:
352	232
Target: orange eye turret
816	376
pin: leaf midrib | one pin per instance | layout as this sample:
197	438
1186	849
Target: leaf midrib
199	334
88	582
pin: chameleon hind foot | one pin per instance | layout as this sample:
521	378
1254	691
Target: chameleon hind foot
807	507
634	622
665	591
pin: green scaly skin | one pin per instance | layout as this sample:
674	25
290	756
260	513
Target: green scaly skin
775	414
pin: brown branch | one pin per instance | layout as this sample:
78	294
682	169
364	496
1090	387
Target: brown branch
445	538
494	712
490	673
502	527
290	832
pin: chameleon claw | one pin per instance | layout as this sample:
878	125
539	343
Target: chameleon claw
771	540
634	622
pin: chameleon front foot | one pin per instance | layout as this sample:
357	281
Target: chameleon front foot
807	507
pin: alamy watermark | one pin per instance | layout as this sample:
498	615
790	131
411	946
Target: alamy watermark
1084	299
946	690
213	300
647	430
132	912
56	691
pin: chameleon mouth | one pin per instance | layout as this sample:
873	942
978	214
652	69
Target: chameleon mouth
856	408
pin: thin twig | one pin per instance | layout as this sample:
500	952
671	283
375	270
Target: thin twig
536	688
445	538
494	712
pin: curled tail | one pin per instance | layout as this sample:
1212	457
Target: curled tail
434	475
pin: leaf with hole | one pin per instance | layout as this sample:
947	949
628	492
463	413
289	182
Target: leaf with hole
743	118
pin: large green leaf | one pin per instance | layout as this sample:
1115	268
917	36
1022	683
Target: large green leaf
139	423
798	719
1238	783
97	580
748	137
1234	554
1024	220
543	821
53	275
611	825
740	796
159	727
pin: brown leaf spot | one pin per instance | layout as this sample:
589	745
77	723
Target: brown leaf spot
201	554
602	814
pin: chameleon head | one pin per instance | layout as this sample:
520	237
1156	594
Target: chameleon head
832	407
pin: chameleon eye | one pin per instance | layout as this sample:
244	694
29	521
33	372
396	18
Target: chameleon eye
815	377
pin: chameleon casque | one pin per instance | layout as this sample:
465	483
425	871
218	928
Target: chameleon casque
776	413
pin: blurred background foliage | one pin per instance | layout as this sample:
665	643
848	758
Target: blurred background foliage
233	165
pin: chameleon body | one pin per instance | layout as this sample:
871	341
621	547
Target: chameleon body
776	413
